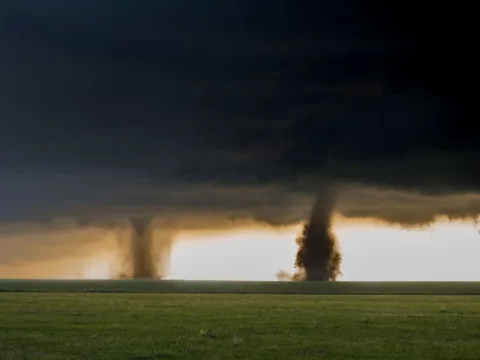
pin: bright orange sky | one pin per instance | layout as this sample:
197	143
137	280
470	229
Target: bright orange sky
375	252
371	252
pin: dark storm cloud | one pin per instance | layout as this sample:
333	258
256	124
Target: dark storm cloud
233	109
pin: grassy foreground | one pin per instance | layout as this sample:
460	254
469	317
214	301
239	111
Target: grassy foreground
242	287
94	326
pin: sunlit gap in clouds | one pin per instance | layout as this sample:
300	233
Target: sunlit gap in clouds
99	267
447	251
241	255
254	254
372	252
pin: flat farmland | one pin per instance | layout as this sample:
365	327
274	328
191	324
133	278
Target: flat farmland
146	326
242	287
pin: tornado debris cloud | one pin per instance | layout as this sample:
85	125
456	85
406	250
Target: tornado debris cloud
318	257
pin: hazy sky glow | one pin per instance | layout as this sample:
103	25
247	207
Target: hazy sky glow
372	252
445	252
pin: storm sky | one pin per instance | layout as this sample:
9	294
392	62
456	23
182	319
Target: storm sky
209	112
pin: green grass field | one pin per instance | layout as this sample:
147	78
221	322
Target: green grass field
243	287
147	326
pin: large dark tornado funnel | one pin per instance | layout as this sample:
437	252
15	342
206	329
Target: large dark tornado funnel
318	257
143	263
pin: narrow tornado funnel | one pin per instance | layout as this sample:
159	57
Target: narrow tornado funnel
143	264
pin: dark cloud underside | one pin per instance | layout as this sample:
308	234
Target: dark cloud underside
235	108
